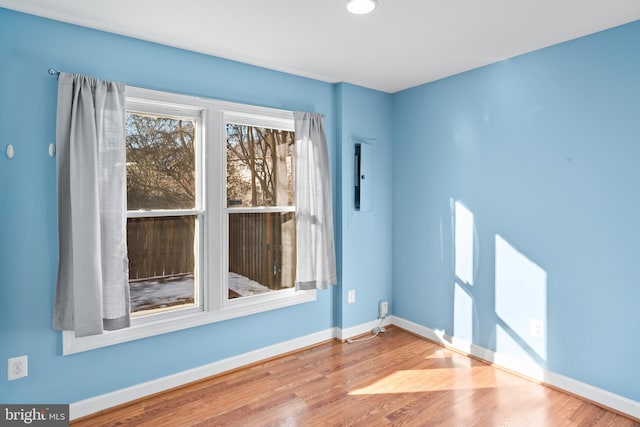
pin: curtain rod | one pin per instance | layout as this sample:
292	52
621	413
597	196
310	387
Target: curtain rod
54	72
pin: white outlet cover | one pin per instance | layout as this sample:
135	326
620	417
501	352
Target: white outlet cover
537	328
17	367
383	308
351	296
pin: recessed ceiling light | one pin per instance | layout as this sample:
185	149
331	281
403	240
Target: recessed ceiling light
360	7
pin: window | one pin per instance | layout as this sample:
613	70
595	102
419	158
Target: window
210	214
164	214
260	208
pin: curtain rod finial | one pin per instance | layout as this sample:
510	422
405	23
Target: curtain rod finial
53	72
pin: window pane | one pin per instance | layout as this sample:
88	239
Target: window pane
160	162
161	262
261	252
260	166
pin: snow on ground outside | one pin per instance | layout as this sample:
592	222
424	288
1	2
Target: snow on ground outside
245	286
175	290
161	292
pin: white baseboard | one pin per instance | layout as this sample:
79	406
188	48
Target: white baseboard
363	328
602	397
118	397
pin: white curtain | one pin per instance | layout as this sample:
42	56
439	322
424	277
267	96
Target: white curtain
316	260
92	290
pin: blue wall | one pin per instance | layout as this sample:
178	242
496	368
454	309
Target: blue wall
513	197
29	46
365	236
516	197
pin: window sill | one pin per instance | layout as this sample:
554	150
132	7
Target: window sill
239	308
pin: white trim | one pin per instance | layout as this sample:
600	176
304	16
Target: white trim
153	213
183	102
363	328
597	395
211	236
71	344
261	209
165	107
118	397
246	118
586	391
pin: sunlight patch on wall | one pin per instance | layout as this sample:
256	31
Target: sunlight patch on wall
462	314
463	241
463	304
521	305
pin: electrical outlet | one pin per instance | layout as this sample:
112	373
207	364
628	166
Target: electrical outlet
537	328
383	309
17	367
351	296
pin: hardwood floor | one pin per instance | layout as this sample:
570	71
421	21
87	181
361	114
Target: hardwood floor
396	379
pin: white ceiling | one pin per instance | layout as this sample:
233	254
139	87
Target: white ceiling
403	43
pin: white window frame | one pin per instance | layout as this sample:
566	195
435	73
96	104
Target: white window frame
216	306
195	113
245	119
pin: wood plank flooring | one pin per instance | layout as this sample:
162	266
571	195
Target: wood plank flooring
396	379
